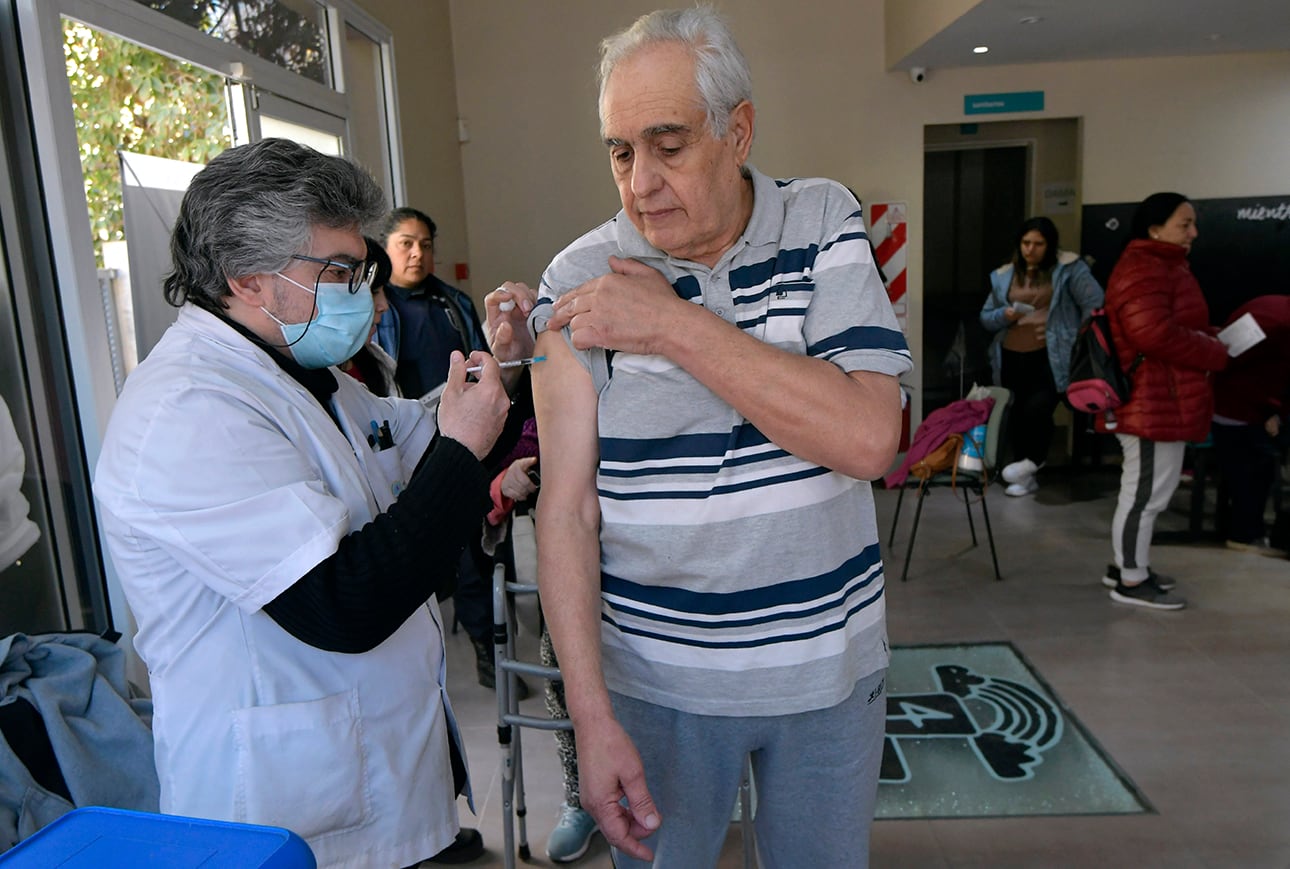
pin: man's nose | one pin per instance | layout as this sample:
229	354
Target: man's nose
645	176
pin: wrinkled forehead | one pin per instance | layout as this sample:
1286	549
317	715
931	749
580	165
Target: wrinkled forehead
652	88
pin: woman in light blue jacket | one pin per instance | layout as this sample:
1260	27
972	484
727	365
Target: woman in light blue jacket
1034	309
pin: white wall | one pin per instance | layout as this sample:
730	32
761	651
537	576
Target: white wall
427	92
536	175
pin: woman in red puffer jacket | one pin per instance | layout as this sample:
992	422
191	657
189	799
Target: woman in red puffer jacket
1160	324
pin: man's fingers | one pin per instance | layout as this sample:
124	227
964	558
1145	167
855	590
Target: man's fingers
623	833
622	266
456	370
644	812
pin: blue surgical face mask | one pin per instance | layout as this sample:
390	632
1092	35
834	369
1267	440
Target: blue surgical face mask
343	323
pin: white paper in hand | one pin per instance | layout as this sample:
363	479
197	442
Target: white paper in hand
1242	334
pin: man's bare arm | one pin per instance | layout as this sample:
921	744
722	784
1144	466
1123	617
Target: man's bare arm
568	537
568	522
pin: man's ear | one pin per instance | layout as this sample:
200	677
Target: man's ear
742	122
252	290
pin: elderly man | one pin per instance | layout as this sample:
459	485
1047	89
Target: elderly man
720	380
281	533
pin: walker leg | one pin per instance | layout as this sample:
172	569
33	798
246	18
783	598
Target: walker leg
746	816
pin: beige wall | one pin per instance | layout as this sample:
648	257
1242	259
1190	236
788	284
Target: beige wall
427	100
910	23
535	174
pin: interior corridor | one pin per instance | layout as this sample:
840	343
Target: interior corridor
1192	706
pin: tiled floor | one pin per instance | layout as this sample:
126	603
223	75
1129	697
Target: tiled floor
1194	706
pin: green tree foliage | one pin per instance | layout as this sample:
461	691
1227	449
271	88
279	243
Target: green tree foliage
287	32
128	98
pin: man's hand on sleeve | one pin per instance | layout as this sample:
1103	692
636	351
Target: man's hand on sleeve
609	769
627	309
473	413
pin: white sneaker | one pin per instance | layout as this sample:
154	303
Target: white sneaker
1028	486
1018	472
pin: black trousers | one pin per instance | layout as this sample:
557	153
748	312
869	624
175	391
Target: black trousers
1247	460
1034	398
473	598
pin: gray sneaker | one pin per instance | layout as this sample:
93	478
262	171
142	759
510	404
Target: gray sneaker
1111	578
1147	594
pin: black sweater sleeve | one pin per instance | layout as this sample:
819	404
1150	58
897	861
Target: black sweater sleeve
360	595
521	410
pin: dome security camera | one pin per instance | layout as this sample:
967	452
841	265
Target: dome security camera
918	74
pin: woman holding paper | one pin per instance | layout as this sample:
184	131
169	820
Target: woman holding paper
1159	320
1035	307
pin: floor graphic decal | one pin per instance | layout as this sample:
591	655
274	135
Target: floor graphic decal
974	731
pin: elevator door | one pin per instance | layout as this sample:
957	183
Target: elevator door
974	202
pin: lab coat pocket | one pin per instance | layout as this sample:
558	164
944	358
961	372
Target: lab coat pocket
390	463
303	766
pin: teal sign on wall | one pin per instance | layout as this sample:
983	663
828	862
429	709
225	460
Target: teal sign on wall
991	104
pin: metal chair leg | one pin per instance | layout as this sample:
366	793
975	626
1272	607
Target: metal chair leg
985	511
891	541
967	505
913	532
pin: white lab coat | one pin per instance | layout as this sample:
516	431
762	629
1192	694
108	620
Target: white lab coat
17	531
221	482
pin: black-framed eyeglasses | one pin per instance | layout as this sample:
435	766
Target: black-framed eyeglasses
353	275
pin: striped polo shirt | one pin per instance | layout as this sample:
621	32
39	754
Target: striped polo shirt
737	578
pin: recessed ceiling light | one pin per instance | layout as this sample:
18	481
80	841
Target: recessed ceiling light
981	49
1030	19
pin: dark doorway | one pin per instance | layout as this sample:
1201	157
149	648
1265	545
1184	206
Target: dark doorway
974	201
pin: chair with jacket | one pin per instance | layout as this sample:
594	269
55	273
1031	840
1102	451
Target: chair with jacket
969	476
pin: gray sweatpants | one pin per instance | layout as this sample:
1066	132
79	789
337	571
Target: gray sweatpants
816	775
1148	479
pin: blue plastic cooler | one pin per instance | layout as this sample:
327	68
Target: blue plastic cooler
100	838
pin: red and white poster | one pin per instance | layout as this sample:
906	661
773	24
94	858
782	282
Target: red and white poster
888	232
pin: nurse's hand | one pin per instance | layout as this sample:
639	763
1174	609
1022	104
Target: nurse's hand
506	312
473	413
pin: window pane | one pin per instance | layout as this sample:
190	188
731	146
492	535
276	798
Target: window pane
276	128
290	33
368	128
30	586
129	99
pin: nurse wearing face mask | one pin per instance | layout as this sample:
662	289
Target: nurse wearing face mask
281	533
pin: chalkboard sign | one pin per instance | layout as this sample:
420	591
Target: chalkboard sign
1243	249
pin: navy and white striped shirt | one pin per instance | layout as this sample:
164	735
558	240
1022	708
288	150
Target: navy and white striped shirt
738	579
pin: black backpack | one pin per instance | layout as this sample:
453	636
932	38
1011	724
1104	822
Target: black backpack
1097	382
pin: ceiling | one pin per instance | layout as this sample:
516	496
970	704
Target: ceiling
1101	29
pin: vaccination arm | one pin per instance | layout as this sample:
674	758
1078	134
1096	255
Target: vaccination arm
849	422
567	528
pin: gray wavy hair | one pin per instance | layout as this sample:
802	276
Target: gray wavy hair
254	206
720	70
